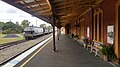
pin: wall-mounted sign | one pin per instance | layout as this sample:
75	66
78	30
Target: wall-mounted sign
110	34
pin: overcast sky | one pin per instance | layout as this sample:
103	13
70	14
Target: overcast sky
8	12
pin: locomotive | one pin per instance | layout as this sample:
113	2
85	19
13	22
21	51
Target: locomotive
31	32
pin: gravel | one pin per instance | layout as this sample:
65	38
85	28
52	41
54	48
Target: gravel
12	51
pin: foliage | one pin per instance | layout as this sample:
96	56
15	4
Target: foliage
119	60
1	25
72	35
43	25
109	51
49	27
19	29
104	50
75	36
8	31
46	27
84	39
10	27
25	23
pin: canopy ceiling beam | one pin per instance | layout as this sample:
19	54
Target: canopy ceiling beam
45	9
31	3
43	13
41	6
38	8
75	2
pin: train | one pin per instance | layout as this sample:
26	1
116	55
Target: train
31	32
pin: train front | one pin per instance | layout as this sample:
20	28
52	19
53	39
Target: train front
28	32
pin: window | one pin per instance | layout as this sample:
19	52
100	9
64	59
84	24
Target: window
110	34
88	32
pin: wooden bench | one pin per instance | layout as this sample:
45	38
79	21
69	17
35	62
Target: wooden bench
96	47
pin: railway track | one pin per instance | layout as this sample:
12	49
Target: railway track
9	51
6	45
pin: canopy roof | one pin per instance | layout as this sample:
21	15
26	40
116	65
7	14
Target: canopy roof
65	11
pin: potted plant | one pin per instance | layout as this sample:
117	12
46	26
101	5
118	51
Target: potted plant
111	54
75	37
104	51
84	39
108	53
119	61
71	35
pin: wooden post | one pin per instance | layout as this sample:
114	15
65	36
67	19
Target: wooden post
92	23
117	31
54	47
57	33
76	27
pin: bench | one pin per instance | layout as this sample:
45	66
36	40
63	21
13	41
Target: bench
88	45
96	47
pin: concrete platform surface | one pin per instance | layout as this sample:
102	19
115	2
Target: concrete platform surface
69	54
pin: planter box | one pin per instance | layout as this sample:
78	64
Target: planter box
79	41
105	58
115	61
75	38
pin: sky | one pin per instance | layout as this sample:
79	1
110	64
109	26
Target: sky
11	13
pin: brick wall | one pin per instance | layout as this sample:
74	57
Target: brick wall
108	7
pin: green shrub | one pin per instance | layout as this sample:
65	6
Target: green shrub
75	36
104	50
9	31
119	60
109	51
84	39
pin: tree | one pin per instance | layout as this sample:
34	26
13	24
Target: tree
17	23
25	23
18	28
43	25
1	25
9	25
49	27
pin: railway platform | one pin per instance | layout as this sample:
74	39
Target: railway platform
69	54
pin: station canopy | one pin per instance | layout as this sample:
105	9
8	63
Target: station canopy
64	11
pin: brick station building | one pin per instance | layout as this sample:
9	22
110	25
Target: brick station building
96	22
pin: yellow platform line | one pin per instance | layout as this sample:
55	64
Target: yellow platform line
34	54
